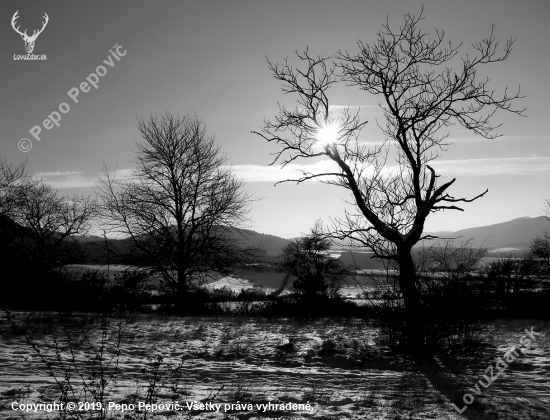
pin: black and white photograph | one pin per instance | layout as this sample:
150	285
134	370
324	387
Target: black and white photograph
279	210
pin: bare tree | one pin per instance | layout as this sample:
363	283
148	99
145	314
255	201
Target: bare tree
308	261
546	211
421	95
539	252
10	180
46	224
182	206
10	176
449	261
511	275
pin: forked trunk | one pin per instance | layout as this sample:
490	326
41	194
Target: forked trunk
413	307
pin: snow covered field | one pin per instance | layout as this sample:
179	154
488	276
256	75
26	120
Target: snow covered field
337	367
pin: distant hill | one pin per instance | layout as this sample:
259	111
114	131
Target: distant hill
516	233
272	244
95	248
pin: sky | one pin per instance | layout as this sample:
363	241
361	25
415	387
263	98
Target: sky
209	58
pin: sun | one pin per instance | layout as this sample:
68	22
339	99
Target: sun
327	134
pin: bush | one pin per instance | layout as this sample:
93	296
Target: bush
50	291
131	289
454	313
92	290
311	307
309	262
454	301
511	275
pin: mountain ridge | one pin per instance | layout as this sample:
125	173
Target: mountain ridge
515	233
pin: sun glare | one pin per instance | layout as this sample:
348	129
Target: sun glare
327	134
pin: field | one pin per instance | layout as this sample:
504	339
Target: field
339	368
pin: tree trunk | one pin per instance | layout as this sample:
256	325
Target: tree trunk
183	289
413	307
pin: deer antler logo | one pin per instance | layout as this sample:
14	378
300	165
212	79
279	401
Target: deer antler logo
29	40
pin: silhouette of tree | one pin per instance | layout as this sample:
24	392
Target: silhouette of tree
9	177
448	261
424	87
512	275
539	252
182	205
308	260
45	224
546	211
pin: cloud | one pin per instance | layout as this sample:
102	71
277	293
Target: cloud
533	165
248	173
460	167
58	173
76	179
493	166
65	179
275	173
501	138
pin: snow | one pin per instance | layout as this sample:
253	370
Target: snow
336	366
503	250
234	283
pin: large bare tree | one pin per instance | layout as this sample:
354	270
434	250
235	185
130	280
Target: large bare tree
182	206
423	87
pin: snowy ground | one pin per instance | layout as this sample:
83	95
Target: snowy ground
335	366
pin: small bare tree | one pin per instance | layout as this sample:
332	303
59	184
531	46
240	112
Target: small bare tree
539	253
313	269
449	261
10	176
10	179
46	224
421	95
511	275
181	207
539	250
546	211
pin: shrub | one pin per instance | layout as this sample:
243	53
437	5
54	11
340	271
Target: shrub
131	289
308	260
454	302
92	290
